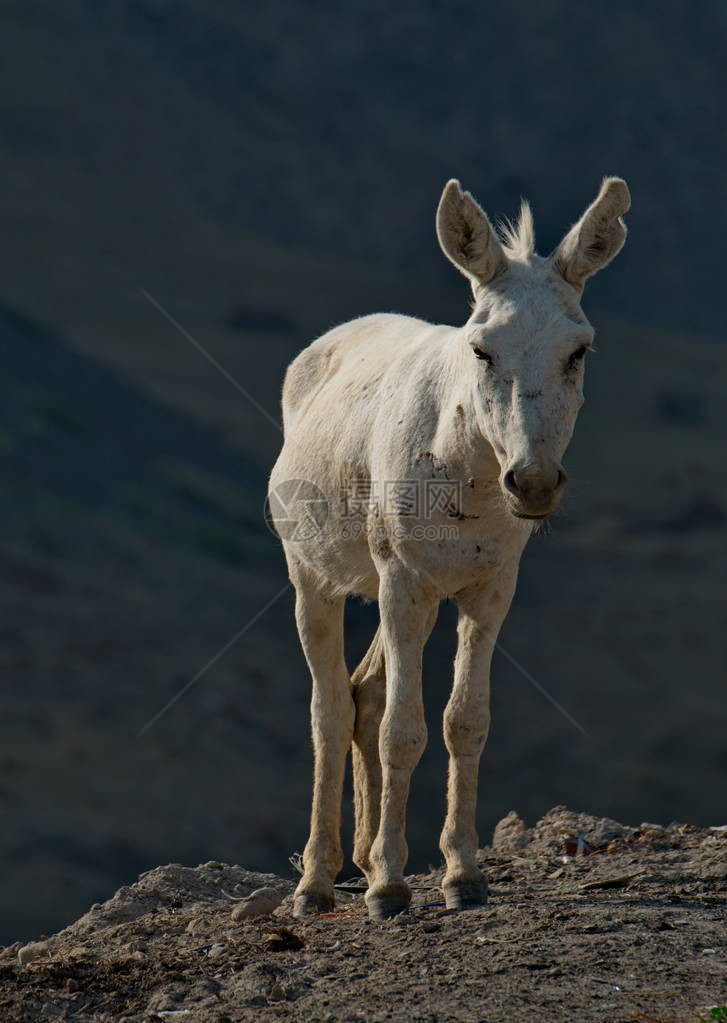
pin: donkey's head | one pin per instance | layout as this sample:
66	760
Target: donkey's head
527	336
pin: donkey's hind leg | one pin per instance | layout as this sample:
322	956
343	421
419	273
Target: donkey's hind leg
320	626
369	694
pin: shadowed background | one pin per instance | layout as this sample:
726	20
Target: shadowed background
264	172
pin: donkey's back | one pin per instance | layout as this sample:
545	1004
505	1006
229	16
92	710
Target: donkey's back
341	373
340	398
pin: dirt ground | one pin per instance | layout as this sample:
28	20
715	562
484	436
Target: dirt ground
587	920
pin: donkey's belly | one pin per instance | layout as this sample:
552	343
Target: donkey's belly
344	562
464	558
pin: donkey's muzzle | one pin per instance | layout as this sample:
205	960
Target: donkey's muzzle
533	490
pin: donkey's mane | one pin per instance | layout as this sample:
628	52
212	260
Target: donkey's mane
518	237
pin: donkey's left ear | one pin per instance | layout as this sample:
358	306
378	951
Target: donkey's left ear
597	237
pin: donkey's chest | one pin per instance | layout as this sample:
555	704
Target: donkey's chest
444	517
454	550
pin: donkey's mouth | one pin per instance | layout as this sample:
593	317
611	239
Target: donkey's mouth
525	515
535	510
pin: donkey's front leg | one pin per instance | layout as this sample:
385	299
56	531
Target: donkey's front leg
405	611
466	724
320	625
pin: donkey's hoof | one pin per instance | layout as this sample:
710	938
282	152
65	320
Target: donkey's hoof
388	902
311	903
465	894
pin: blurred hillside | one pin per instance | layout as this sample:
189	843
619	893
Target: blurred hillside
329	130
263	174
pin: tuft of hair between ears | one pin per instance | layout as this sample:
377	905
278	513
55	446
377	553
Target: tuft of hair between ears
518	237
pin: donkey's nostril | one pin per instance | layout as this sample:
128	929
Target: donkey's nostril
510	481
533	482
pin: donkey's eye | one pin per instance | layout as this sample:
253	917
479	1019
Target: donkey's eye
577	356
480	354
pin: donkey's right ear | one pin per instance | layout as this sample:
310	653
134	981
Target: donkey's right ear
467	237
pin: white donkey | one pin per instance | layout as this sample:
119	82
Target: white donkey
435	448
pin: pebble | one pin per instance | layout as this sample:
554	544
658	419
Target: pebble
216	951
28	953
652	829
259	903
430	926
276	993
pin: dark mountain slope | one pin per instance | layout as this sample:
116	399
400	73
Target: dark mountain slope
331	128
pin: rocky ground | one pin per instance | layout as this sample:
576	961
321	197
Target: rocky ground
588	919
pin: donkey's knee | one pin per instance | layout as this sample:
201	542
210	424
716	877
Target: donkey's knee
402	738
465	729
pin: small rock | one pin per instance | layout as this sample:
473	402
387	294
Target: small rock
282	940
657	829
259	903
430	926
216	951
510	833
28	953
